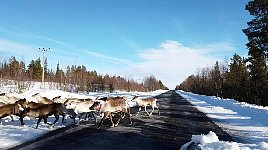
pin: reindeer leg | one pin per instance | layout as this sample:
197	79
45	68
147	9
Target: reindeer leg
64	116
101	122
123	115
152	111
21	120
81	116
129	115
94	117
138	111
11	116
111	117
119	119
73	117
129	118
57	118
146	110
39	120
45	120
158	110
87	115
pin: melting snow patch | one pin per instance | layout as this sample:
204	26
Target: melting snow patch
211	142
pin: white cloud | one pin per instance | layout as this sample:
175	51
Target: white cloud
109	59
15	47
172	62
24	34
216	47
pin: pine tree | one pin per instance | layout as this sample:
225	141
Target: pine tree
14	67
30	70
37	70
58	73
258	73
216	80
239	79
257	34
258	27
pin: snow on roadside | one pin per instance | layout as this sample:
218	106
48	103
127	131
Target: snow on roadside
211	142
246	123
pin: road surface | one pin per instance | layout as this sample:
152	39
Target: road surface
178	121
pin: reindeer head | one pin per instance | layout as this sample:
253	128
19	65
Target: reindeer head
134	98
23	102
70	104
95	106
57	99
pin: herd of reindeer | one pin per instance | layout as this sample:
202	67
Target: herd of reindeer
106	107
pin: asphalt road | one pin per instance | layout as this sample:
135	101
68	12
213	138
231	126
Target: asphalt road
178	121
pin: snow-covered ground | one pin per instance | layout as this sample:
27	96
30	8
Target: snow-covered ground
12	133
246	123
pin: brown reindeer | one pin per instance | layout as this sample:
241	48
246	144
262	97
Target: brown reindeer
43	111
9	110
23	102
30	105
112	105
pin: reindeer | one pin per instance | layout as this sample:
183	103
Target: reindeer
80	106
145	102
43	111
58	99
35	106
112	105
41	99
9	110
8	99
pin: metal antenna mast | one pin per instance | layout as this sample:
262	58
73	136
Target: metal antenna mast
44	57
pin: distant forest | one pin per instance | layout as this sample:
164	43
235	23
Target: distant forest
74	79
244	79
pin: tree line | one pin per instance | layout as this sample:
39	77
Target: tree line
244	79
74	79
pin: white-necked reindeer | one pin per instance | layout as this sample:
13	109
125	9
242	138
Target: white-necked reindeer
110	106
144	102
81	107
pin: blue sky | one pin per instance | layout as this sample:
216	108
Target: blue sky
169	39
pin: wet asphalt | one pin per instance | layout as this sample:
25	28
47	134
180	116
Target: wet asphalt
175	125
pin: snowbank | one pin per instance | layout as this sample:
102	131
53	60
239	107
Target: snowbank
246	123
211	142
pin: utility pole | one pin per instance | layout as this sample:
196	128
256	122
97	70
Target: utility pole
43	72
